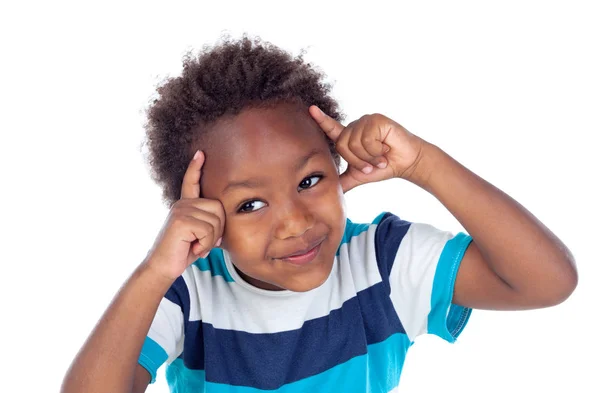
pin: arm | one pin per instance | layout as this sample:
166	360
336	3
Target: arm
107	362
514	262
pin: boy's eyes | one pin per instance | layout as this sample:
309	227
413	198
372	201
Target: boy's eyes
255	204
307	182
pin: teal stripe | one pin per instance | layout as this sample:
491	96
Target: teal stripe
152	357
215	263
445	319
351	230
377	372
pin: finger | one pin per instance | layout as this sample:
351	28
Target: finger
347	153
193	230
198	250
375	148
210	209
347	181
331	127
202	215
190	187
358	145
205	234
207	210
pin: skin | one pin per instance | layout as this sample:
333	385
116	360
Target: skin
513	263
283	202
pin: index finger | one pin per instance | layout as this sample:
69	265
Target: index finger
330	126
190	187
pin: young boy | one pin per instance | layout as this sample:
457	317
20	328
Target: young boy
258	281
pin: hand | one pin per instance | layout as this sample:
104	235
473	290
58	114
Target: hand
193	227
375	147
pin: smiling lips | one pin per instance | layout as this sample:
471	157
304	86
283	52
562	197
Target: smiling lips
304	256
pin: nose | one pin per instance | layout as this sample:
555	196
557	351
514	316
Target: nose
294	220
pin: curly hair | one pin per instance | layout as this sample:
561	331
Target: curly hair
222	81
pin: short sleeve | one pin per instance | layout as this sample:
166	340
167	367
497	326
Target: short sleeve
165	337
421	263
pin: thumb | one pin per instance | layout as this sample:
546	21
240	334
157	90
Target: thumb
330	126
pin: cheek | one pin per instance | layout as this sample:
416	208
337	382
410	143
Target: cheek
245	241
332	207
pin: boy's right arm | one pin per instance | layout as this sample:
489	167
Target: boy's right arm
108	361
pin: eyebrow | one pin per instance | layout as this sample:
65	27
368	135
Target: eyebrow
258	182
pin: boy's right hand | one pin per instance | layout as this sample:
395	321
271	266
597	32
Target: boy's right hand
193	227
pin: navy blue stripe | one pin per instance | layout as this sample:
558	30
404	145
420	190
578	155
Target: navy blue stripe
388	236
193	345
178	293
268	361
379	316
351	230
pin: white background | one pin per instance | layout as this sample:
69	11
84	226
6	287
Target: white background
511	89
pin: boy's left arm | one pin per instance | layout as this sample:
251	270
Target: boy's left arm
514	261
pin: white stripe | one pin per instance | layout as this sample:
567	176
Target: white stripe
411	277
167	328
258	311
365	271
189	277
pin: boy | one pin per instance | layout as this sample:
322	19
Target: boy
258	281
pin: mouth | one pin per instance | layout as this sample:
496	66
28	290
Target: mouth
304	256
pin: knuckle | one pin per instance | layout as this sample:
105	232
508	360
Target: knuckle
355	144
178	204
214	204
343	150
219	223
183	205
367	138
178	220
209	229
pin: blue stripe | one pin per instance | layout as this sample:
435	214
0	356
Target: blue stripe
215	263
178	293
445	319
152	356
353	229
193	345
378	371
270	360
388	236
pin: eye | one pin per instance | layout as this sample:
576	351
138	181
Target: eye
309	182
251	206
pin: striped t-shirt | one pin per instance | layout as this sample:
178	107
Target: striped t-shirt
391	281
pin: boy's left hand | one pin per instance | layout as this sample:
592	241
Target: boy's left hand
375	147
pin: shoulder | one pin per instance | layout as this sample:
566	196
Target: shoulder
381	236
365	247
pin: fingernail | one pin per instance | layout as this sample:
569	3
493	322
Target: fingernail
386	148
197	154
368	169
382	165
219	241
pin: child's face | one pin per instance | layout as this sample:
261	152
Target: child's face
274	174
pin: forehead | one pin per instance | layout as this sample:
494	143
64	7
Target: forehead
260	141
